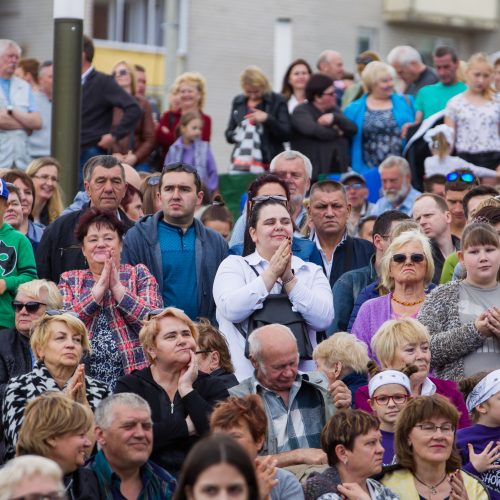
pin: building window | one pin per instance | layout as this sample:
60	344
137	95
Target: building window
366	39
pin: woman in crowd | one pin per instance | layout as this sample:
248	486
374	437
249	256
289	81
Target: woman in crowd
112	299
381	116
180	397
262	115
475	116
351	441
58	342
13	214
269	277
342	357
26	187
406	271
356	90
403	342
48	205
213	354
428	461
57	428
245	420
132	203
294	83
218	467
150	189
463	317
32	300
191	89
134	149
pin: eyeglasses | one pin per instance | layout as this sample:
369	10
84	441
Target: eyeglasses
401	258
274	197
430	428
153	313
59	312
178	165
47	178
121	72
397	399
463	176
357	185
31	307
153	180
53	495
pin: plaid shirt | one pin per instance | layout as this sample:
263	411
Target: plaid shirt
125	317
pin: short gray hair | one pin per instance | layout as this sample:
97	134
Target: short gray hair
106	161
5	43
254	343
399	161
403	54
104	413
292	155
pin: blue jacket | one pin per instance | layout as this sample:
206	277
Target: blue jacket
141	246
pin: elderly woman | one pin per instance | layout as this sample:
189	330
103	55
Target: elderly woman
58	342
428	460
180	397
403	342
380	116
341	357
269	284
259	121
112	299
191	89
55	427
32	301
48	205
351	441
463	317
406	271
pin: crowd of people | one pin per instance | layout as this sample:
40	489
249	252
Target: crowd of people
340	340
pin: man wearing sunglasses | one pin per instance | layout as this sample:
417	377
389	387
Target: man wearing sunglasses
357	196
178	249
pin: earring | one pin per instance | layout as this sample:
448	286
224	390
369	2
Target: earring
346	461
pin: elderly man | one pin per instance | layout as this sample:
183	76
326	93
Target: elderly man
59	251
124	433
398	193
330	63
18	113
357	197
409	66
296	409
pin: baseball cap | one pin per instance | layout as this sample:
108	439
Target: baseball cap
4	192
352	175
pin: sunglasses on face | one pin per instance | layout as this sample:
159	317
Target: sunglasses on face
416	258
357	185
31	307
120	72
463	176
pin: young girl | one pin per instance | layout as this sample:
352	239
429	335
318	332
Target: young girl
475	116
190	148
479	444
440	140
389	392
218	217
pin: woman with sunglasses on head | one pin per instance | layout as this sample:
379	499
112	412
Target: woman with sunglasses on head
406	271
150	189
248	285
428	462
463	317
58	342
32	300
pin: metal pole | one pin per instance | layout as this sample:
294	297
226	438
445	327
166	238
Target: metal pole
66	102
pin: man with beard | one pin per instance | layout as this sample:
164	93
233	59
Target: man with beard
396	186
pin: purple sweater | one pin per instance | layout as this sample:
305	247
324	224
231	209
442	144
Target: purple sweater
479	436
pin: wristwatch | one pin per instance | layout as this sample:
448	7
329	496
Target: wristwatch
10	109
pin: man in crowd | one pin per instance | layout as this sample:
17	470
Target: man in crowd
296	409
432	214
328	215
435	184
475	196
124	433
59	251
140	90
39	140
357	196
180	252
409	66
398	193
18	112
331	63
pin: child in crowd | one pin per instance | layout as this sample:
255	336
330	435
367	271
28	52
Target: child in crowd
389	392
440	140
479	444
17	262
190	148
218	217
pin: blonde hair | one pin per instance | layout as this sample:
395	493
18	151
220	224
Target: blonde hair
393	334
386	280
253	76
42	331
481	58
44	291
344	348
50	415
151	329
196	80
374	72
131	70
55	204
440	145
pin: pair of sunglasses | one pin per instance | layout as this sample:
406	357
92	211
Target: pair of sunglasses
274	197
121	72
31	307
184	167
463	176
416	258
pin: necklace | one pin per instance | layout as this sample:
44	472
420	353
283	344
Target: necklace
403	303
432	487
